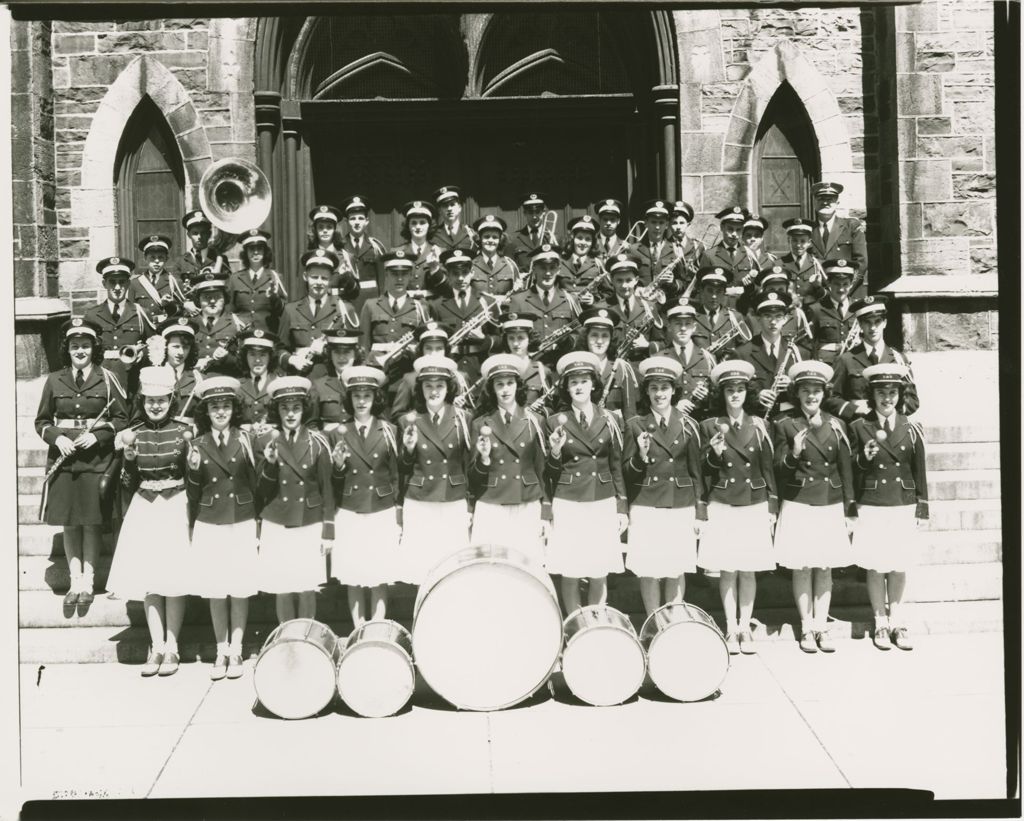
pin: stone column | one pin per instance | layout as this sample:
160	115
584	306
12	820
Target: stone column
666	104
293	219
268	126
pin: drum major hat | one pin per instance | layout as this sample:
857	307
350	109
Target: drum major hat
177	325
826	189
325	212
323	257
534	199
447	192
578	361
215	386
362	376
798	226
516	320
546	250
869	305
79	327
770	273
810	370
772	301
489	221
255	235
660	367
600	317
734	213
714	274
584	223
156	381
342	337
888	373
289	387
398	261
684	209
259	338
682	308
419	208
455	256
611	206
195	217
656	208
623	262
155	241
110	266
210	282
503	364
754	221
434	365
731	370
356	202
839	267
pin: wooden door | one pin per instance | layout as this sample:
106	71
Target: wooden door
781	188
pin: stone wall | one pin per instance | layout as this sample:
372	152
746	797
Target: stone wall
197	72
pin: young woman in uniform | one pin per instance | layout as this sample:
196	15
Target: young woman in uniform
256	352
328	396
256	294
619	385
493	271
739	485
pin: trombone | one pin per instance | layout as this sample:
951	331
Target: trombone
739	329
637	233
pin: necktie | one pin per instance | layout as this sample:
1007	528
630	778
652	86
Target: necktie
437	418
713	317
547	297
116	313
873	356
79	379
253	277
508	418
394	305
824	234
209	324
774	353
583	419
736	424
490	263
607	244
316	307
663	424
222	441
843	308
362	431
628	304
576	263
358	244
887	424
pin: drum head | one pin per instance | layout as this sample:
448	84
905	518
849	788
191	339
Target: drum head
294	679
688	661
603	665
487	635
376	679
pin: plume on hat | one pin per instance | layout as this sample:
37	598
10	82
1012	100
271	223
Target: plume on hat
156	349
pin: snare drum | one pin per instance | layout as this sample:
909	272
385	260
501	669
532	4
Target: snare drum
603	662
487	629
686	652
375	675
294	674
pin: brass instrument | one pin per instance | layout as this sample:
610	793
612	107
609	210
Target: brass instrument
235	195
130	354
637	233
478	320
553	338
401	344
548	225
654	292
852	339
739	329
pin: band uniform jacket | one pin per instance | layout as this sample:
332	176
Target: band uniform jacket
421	278
738	260
635	315
696	372
898	474
653	262
610	246
141	288
806	277
472	350
437	469
516	472
830	327
579	272
765	367
221	335
589	467
522	242
222	490
404	391
743	294
537	381
160	457
710	331
255	401
848	383
550	318
187	266
672	475
366	260
132	327
792	327
369	480
823	474
299	327
744	474
258	303
464	238
846	240
183	400
327	400
66	410
620	387
297	489
495	276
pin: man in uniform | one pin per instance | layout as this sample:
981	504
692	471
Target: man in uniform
795	324
609	216
304	321
426	276
199	254
729	252
680	344
552	305
716	321
158	292
690	251
255	298
837	237
757	258
623	269
765	350
452	232
120	324
655	252
804	268
463	305
849	387
830	316
365	251
493	272
216	328
524	241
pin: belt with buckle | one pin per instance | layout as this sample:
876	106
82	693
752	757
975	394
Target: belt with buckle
73	424
161	484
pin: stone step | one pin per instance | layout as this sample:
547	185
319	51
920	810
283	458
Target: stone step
130	644
962	456
30	480
964	484
28	508
955	433
965	515
34	457
38	539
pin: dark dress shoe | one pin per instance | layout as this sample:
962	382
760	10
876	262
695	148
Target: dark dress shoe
71	598
85	598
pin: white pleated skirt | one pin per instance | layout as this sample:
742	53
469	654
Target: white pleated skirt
365	548
290	559
886	538
584	541
224	560
736	538
153	552
431	532
516	526
812	536
661	542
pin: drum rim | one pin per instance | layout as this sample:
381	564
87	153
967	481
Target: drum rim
378	643
390	622
725	672
652	618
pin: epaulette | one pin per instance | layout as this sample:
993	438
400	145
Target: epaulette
762	431
111	379
377	246
243	440
916	431
837	426
535	423
613	424
389	436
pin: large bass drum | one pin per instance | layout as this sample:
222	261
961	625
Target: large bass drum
686	653
487	629
603	662
376	677
294	674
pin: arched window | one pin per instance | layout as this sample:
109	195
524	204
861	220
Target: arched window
786	163
150	181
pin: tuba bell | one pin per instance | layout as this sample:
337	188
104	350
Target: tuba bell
235	195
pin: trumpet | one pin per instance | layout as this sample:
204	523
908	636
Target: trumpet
637	233
548	224
654	292
739	329
852	339
401	344
477	321
130	354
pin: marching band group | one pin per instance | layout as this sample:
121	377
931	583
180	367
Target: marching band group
479	386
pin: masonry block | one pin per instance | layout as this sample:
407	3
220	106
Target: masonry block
927	180
974	117
919	94
139	41
949	219
719	189
934	125
702	152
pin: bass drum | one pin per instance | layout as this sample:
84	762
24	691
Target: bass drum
486	629
603	662
686	652
375	675
294	673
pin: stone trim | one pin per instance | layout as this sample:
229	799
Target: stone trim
952	286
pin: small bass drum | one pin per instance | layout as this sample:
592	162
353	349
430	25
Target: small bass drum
294	673
603	662
376	677
686	652
487	629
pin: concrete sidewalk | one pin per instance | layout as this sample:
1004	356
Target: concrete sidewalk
931	719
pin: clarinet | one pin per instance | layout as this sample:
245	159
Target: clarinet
537	404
